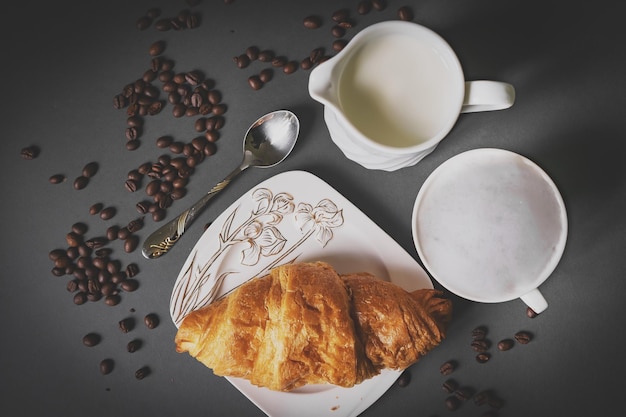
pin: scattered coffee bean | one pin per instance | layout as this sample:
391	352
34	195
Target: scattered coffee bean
450	385
464	393
523	337
404	379
266	75
364	7
405	13
29	152
337	31
312	22
57	178
480	345
126	325
108	213
142	372
112	300
151	321
133	346
135	225
91	339
79	228
131	243
483	357
266	56
90	169
481	398
531	313
106	366
479	333
339	44
132	270
505	344
129	285
447	368
95	208
452	403
290	67
340	15
80	182
379	4
80	298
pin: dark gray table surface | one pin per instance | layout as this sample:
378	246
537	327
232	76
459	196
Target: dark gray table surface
62	64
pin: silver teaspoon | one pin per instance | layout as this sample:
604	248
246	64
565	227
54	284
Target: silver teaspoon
267	142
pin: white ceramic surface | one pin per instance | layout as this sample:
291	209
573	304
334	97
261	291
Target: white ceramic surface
490	226
294	216
470	96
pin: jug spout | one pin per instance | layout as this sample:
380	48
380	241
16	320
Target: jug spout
323	86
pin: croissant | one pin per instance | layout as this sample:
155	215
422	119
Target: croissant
305	324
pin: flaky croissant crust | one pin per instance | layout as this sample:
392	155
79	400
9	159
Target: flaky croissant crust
305	324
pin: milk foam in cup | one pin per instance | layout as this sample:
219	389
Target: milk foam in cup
490	226
395	91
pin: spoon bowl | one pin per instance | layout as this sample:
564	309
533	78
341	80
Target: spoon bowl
267	142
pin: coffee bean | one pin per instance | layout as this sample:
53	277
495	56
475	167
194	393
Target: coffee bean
404	379
447	368
90	169
72	285
306	63
56	178
96	242
464	393
151	320
479	333
80	298
163	25
483	357
253	53
450	385
95	208
142	372
131	243
135	225
80	182
312	22
452	403
133	346
73	239
531	313
481	398
91	339
129	285
480	345
337	31
379	4
364	7
279	61
143	23
214	97
79	228
254	81
316	55
505	344
340	15
106	366
112	300
290	67
266	75
193	78
242	61
29	152
266	56
132	145
126	325
523	337
108	213
339	44
131	185
405	13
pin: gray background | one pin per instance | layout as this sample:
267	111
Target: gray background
63	62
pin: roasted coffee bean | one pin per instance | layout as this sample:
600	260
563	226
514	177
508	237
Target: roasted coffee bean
179	110
90	169
531	313
312	22
72	285
135	225
464	393
193	78
450	385
108	213
479	333
211	136
481	398
131	185
153	187
214	97
108	288
151	320
79	228
379	4
279	61
339	44
131	243
80	182
266	56
480	345
106	366
56	178
452	403
163	25
316	55
56	254
142	372
242	61
483	357
96	242
95	208
112	300
340	15
306	63
129	285
155	108
132	145
164	141
80	298
126	325
266	75
73	239
132	269
91	339
29	152
219	109
133	346
405	378
405	13
253	53
120	101
447	368
337	31
364	7
132	133
254	81
158	215
346	24
144	22
505	344
523	337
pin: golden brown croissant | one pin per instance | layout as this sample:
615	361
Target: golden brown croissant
305	324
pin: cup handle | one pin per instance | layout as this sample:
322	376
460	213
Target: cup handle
487	96
535	300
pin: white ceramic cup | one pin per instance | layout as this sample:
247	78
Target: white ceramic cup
490	226
395	91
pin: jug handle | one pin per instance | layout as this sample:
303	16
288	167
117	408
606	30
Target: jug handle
485	95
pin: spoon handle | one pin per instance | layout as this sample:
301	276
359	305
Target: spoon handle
164	238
